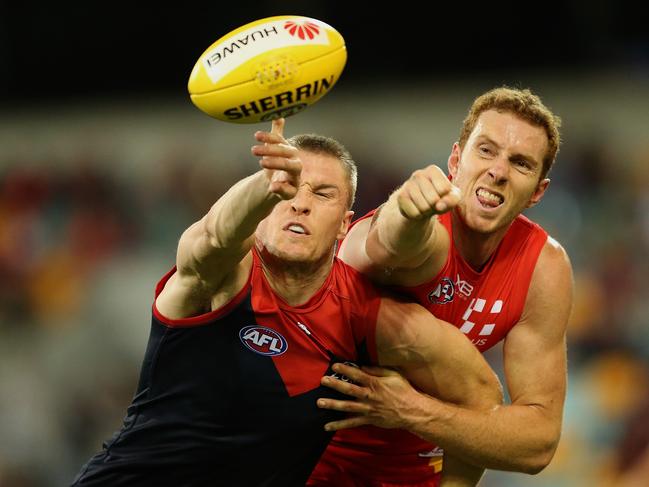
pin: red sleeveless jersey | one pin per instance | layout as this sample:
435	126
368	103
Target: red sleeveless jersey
484	305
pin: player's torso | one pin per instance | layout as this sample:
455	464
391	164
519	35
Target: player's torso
484	304
232	393
257	362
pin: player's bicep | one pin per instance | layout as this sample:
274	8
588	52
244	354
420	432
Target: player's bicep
535	349
352	251
207	274
434	355
182	297
200	254
535	369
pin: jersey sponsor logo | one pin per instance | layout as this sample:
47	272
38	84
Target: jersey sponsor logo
302	29
443	292
463	287
262	340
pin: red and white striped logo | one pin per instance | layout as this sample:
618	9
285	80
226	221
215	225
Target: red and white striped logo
303	30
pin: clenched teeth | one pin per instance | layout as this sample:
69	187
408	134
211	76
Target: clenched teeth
483	193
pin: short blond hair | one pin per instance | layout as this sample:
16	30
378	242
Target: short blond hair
523	104
319	144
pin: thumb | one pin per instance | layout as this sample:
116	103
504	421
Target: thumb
455	194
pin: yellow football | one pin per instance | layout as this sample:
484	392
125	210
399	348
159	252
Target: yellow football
267	69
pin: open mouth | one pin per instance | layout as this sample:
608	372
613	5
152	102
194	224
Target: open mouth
297	229
489	199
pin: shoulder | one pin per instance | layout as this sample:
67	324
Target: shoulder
553	261
356	235
352	248
526	232
550	292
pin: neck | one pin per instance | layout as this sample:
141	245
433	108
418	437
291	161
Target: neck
295	282
475	248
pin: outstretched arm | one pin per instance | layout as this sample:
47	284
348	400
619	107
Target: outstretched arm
521	436
211	251
405	238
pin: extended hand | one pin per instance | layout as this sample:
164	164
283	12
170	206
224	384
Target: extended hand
279	160
383	397
427	192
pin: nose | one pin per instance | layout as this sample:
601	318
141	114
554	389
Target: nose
301	202
499	169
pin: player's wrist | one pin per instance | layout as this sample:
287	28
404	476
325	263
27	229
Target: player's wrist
423	416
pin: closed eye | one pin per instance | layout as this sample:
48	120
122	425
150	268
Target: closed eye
325	191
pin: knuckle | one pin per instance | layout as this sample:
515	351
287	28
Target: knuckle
418	174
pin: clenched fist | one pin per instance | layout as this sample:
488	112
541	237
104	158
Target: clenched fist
427	192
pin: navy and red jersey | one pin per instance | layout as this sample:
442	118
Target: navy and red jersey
229	397
484	305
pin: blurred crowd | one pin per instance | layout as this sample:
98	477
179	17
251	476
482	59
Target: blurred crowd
81	247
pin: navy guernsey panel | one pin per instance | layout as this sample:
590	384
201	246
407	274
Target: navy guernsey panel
229	397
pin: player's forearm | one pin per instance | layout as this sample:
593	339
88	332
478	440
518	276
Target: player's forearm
235	216
513	437
397	241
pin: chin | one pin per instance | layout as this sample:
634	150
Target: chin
296	253
288	254
480	224
296	257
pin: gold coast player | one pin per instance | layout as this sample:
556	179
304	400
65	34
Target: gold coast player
462	249
256	311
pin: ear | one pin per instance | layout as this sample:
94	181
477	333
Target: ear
344	225
538	192
454	160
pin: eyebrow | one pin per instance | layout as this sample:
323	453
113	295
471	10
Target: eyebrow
514	156
324	186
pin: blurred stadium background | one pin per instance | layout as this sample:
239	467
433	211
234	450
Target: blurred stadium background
104	161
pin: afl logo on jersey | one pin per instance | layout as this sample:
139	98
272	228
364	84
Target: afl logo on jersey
443	293
263	341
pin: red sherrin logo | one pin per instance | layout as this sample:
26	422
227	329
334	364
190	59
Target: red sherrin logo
302	29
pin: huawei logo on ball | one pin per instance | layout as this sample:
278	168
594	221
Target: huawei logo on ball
302	30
